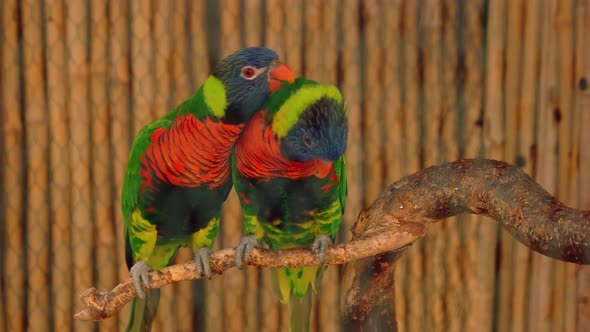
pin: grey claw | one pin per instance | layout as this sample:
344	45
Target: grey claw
139	274
202	260
321	244
244	249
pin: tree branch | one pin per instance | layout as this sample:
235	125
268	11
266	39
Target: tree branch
101	305
487	187
396	219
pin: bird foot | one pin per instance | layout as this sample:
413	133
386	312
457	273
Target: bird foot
244	249
139	273
202	261
321	244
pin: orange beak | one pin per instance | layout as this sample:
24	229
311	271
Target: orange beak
324	167
280	73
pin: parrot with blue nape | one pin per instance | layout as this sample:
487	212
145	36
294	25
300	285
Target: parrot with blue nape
289	172
179	171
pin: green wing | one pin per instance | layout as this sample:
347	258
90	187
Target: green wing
132	180
340	166
140	234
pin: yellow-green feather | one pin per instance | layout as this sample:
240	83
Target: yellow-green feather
215	98
288	114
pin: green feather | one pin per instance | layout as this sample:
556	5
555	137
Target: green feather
286	105
307	210
132	180
142	240
340	166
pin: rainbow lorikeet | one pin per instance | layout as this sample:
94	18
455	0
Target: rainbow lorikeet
289	172
179	170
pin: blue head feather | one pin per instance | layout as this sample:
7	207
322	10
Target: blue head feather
244	96
320	132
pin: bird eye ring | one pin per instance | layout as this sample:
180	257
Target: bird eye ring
248	72
306	140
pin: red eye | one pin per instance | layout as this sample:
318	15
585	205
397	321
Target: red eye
307	141
248	72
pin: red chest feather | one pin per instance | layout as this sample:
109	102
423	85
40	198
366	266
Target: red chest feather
258	156
191	153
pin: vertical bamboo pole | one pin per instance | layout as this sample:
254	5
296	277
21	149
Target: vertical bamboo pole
512	94
393	123
512	83
372	103
180	90
37	224
199	56
351	90
582	106
350	87
430	35
449	148
327	299
273	27
410	104
142	55
293	45
540	312
430	26
152	94
565	27
198	69
277	318
101	154
313	69
478	314
120	133
574	188
62	274
451	253
564	36
329	38
159	79
209	294
520	254
180	86
253	32
494	142
76	36
392	149
231	225
13	168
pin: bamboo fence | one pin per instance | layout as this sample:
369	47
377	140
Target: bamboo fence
425	82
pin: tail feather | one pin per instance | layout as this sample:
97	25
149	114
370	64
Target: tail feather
143	312
295	287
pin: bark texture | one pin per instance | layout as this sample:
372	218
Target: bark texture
395	220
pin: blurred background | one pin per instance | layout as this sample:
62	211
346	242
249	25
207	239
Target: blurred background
426	81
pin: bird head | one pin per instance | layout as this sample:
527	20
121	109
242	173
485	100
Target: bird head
249	75
312	123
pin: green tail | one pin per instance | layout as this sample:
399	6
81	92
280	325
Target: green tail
295	286
143	312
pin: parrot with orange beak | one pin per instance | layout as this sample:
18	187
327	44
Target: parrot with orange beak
179	171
